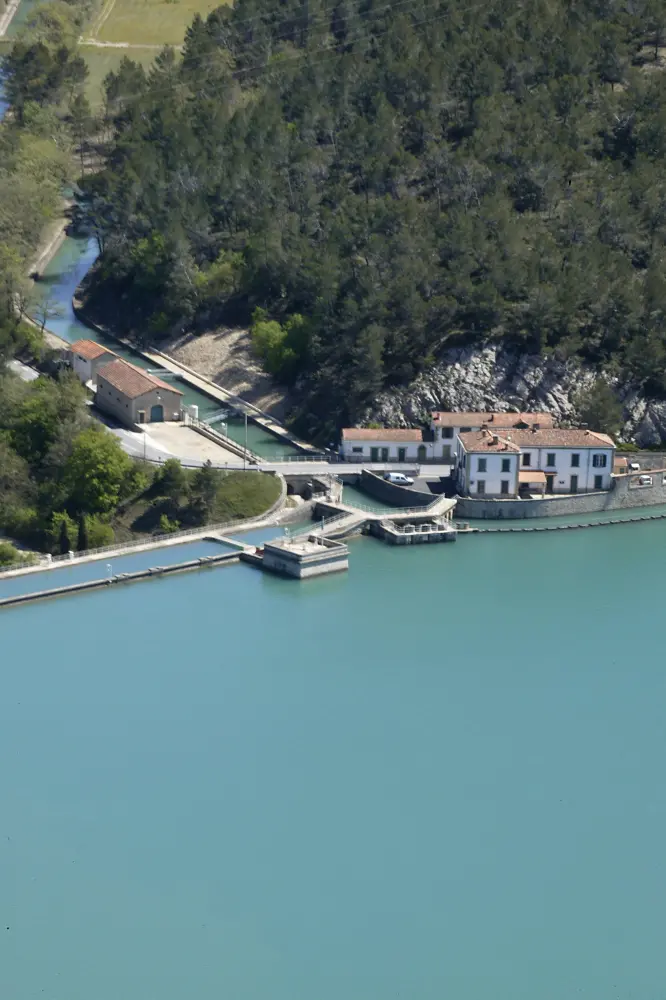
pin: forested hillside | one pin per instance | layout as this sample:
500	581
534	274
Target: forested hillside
381	178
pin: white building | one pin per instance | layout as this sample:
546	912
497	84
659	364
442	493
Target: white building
447	426
366	444
523	462
85	357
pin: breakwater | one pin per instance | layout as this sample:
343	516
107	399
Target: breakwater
466	529
153	572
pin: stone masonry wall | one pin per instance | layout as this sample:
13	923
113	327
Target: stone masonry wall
622	496
398	496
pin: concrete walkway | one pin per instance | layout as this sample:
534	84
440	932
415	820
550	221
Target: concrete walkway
6	17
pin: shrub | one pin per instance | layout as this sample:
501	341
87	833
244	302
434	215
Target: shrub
167	526
9	555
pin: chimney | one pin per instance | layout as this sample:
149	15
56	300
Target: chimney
491	417
495	439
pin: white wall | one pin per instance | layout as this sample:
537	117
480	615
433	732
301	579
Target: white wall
563	470
469	473
361	451
82	367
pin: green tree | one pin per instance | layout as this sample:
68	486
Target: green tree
171	479
94	475
600	408
204	488
82	543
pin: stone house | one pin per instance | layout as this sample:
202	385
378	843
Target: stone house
134	396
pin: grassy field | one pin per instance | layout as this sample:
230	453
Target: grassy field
148	22
103	61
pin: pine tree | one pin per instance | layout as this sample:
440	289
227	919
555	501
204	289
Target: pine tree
82	541
64	538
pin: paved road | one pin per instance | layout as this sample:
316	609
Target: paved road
25	372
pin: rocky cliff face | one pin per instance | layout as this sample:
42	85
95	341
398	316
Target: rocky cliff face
493	378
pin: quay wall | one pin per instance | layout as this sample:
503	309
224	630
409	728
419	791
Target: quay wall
622	496
398	496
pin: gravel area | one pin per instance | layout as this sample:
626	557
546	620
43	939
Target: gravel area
225	356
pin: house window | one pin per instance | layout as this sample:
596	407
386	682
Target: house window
480	486
598	482
447	432
527	458
575	460
463	430
483	462
550	459
504	486
357	451
599	461
506	465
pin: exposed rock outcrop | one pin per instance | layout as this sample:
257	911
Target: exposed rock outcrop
493	378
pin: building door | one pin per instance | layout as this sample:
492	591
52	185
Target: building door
385	454
446	452
574	485
402	454
156	413
549	484
142	416
598	482
422	453
374	454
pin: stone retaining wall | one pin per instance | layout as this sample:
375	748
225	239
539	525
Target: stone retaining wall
398	496
622	496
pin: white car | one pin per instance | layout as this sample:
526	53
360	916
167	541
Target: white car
645	480
634	467
398	478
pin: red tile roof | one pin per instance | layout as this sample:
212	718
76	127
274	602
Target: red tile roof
442	418
130	380
381	434
487	441
553	437
88	349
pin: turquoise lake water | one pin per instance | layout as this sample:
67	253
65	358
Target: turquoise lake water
30	583
439	775
62	276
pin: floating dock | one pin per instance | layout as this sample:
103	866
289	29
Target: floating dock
413	531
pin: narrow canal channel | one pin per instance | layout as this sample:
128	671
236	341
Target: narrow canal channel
64	273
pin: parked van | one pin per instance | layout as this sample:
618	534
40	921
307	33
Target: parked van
645	480
634	467
398	478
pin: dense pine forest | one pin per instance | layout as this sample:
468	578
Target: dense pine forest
368	181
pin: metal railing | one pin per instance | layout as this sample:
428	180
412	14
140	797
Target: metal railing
126	548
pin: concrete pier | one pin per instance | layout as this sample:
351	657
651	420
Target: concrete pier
302	557
100	584
413	531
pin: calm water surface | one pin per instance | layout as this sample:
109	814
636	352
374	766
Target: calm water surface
440	775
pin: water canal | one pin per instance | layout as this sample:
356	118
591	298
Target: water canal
64	273
440	775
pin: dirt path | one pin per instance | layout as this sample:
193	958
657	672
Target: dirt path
225	356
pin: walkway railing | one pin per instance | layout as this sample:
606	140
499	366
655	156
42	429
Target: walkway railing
126	548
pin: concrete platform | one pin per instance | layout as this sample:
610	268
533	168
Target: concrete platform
305	556
185	444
